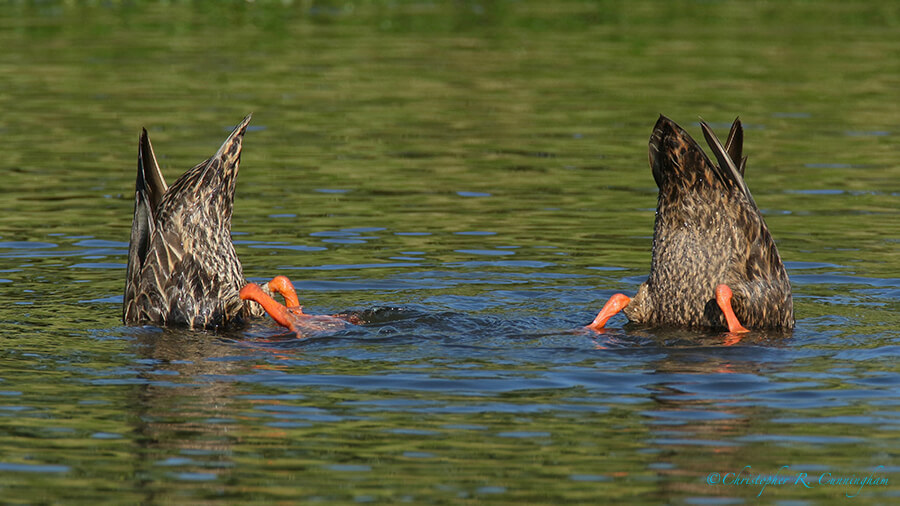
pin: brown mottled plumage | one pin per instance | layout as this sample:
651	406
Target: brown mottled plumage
708	232
182	267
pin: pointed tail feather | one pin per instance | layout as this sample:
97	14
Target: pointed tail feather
734	144
149	178
726	164
149	188
222	166
676	159
230	151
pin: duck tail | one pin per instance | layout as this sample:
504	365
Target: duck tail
230	151
676	159
734	144
149	176
219	170
149	188
727	167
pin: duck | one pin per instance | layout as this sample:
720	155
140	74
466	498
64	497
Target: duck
290	314
714	263
182	267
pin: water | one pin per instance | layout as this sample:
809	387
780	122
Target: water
474	176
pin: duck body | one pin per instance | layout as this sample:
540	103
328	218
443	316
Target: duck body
182	266
708	232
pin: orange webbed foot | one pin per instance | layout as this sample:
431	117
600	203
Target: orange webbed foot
283	285
281	314
290	315
615	304
723	299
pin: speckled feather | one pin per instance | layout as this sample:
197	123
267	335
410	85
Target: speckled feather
708	231
182	267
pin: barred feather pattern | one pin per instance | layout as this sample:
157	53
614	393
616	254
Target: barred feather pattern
708	230
182	266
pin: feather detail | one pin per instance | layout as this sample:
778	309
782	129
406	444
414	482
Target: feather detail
708	231
182	267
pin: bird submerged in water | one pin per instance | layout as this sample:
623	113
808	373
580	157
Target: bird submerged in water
182	267
714	263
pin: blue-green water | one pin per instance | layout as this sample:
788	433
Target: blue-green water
475	175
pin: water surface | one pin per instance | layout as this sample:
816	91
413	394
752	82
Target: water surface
474	176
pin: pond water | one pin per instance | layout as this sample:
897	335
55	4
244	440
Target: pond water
474	176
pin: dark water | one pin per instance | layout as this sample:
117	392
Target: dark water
474	176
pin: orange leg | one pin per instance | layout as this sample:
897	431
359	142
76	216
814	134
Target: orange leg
283	285
723	299
278	312
615	304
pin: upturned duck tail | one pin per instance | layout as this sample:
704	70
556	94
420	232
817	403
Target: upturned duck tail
149	188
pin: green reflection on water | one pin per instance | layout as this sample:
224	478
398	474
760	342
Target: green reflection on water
546	107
